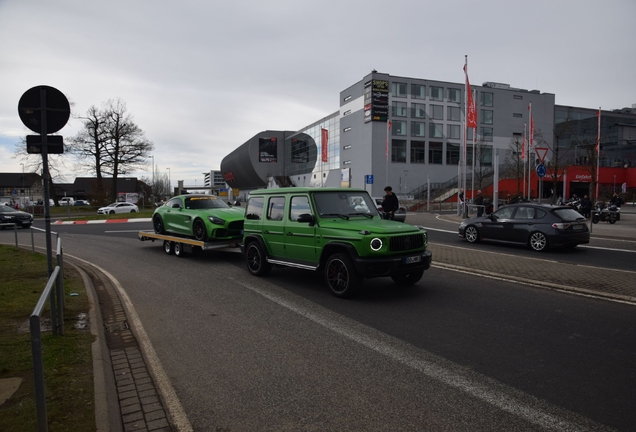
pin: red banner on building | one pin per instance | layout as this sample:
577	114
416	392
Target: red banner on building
324	144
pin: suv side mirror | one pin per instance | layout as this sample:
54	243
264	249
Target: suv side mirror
306	217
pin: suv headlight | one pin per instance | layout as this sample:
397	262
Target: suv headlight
215	220
376	244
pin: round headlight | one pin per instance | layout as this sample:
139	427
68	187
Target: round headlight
376	244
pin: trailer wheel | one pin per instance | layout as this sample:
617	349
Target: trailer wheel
168	247
178	249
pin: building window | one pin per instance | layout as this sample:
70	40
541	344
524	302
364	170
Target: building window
398	128
486	99
437	112
398	150
418	129
453	131
452	154
454	95
517	97
435	130
486	116
517	115
486	133
435	153
418	110
418	91
399	109
418	152
485	159
437	93
454	113
398	89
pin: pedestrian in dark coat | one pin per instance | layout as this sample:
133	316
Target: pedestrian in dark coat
586	206
479	202
390	203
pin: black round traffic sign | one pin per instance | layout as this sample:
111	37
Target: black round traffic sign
57	109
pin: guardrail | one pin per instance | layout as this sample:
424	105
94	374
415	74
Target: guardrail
57	326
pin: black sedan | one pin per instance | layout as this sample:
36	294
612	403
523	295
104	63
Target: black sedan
538	226
9	215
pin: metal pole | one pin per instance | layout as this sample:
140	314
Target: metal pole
428	193
45	174
38	372
496	182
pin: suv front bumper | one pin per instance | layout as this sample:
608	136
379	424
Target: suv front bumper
386	266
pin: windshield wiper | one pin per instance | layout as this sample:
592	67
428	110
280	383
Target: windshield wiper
370	216
336	214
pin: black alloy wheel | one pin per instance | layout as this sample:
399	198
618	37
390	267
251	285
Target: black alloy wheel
341	276
157	223
256	260
198	229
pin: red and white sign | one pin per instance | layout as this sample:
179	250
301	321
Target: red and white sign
541	152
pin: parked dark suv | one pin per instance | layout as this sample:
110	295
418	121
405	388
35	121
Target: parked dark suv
336	231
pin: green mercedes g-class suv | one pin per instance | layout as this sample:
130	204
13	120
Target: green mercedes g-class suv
338	231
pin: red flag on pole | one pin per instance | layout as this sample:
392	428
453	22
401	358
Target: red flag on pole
388	129
523	144
324	144
598	130
471	118
531	138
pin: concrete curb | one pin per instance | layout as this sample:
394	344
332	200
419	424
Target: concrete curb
107	412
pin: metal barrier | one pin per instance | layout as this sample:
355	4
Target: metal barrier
15	230
57	326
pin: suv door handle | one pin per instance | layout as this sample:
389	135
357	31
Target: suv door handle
289	233
265	232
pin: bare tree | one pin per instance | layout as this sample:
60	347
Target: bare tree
111	144
514	162
481	172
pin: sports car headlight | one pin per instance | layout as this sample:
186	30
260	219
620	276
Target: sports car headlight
215	220
376	244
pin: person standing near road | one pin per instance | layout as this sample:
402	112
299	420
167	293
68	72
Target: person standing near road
479	202
586	206
390	203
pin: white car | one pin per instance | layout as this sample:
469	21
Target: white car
66	201
118	207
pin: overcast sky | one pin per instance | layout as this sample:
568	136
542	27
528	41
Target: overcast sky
202	77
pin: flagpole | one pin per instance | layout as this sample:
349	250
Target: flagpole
463	178
530	142
388	129
523	156
598	149
472	187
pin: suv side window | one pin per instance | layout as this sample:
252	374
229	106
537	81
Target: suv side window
299	205
254	209
276	208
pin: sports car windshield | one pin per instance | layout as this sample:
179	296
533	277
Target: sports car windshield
204	202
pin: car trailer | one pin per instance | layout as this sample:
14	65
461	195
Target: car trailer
181	245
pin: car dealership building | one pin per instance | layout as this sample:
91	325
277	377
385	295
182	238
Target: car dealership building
408	133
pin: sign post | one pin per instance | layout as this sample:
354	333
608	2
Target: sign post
44	110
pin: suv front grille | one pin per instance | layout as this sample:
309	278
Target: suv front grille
405	243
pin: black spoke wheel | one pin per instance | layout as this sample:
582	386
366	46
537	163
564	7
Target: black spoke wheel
168	247
408	278
157	223
341	276
256	260
471	234
198	229
538	241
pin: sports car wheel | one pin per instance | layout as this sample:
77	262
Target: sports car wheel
158	224
471	234
256	261
111	212
133	211
168	247
538	241
198	229
341	276
407	278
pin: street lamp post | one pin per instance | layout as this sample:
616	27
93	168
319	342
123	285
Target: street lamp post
169	183
24	189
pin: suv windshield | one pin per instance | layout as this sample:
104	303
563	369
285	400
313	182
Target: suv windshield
344	203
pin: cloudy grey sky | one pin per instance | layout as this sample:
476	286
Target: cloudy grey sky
202	77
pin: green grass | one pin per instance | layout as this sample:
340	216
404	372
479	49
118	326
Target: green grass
68	365
90	213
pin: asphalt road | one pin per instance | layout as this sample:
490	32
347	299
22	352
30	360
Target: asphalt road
454	352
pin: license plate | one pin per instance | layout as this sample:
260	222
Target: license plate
577	227
412	259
